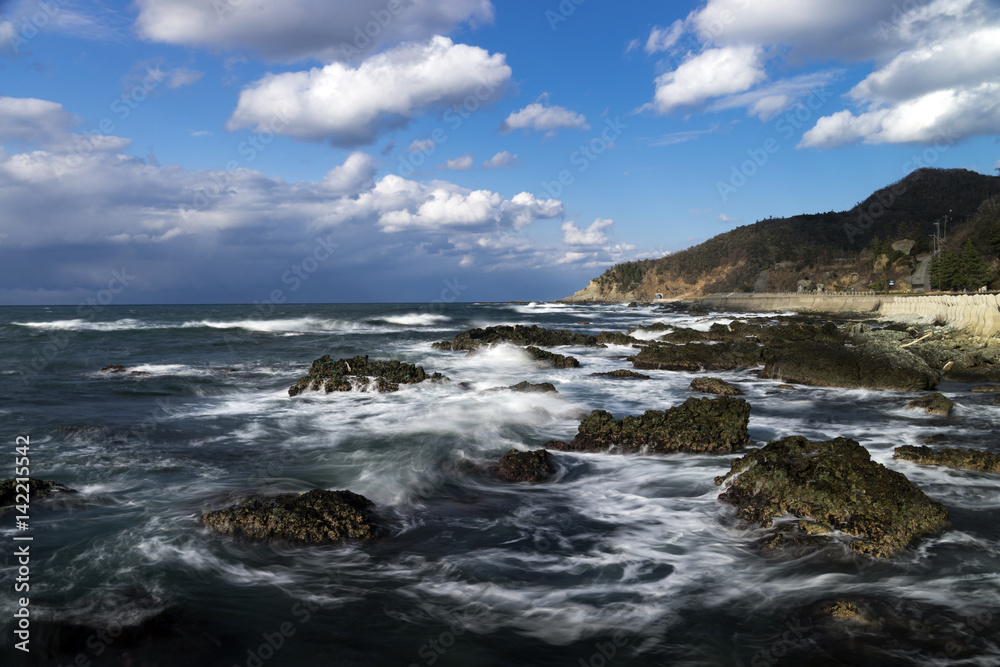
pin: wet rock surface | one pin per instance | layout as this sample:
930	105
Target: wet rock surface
38	488
315	517
516	335
694	357
552	358
828	365
835	485
359	374
716	386
697	425
518	466
935	404
963	459
623	374
527	388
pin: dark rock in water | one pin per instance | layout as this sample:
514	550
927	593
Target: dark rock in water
528	388
962	459
684	335
517	466
617	338
936	439
996	400
935	404
987	389
516	335
633	305
829	365
552	359
695	357
787	387
315	517
38	488
656	326
623	375
715	386
114	368
836	485
697	425
346	374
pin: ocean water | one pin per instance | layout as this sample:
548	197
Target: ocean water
618	561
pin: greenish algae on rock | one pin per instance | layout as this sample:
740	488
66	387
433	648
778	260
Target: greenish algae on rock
338	375
716	386
935	404
518	466
950	457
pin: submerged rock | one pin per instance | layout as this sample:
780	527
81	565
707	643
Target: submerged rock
552	359
935	404
622	374
114	368
962	459
516	335
315	517
715	386
836	485
528	388
697	425
38	488
358	373
518	466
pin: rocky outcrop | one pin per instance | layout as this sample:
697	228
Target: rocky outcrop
359	374
516	335
697	425
867	367
622	374
38	488
716	386
695	357
935	404
551	358
961	459
315	517
831	485
527	388
518	466
617	338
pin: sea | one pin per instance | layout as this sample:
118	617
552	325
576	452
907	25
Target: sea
619	560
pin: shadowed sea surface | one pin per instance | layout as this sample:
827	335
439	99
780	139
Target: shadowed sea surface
621	560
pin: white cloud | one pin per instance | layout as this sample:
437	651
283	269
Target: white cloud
288	30
708	75
352	106
421	146
544	118
591	236
663	39
525	208
460	163
47	124
182	76
356	174
725	219
501	160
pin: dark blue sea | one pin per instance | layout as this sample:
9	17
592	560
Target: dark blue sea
621	560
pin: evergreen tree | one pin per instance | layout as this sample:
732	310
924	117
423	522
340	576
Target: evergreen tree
944	270
972	273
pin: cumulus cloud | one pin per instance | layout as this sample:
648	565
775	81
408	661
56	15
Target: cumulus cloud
591	236
288	30
356	174
543	118
36	122
710	74
663	39
460	163
501	160
350	106
525	208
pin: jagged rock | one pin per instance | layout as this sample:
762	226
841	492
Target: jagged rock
697	425
528	388
787	387
114	368
987	389
715	386
315	517
623	374
657	326
935	404
348	374
518	466
552	359
695	357
38	488
828	365
516	335
617	338
835	484
961	459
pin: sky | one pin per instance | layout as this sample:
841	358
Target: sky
315	151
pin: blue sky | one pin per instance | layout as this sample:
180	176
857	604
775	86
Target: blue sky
381	150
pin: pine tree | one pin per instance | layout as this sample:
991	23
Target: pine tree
945	270
973	272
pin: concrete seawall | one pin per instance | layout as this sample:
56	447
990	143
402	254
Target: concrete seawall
978	314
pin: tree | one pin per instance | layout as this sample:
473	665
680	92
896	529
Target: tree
944	270
973	273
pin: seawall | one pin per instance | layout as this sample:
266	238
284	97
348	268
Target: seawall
978	314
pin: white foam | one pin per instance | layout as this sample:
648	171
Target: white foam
415	319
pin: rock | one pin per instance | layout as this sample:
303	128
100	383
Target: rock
623	375
114	368
552	359
315	517
634	304
715	386
516	335
37	488
936	439
828	365
836	485
786	387
961	459
617	338
528	388
996	400
697	425
657	326
987	389
357	374
518	466
695	357
935	404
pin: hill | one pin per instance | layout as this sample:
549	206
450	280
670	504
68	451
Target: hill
846	250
